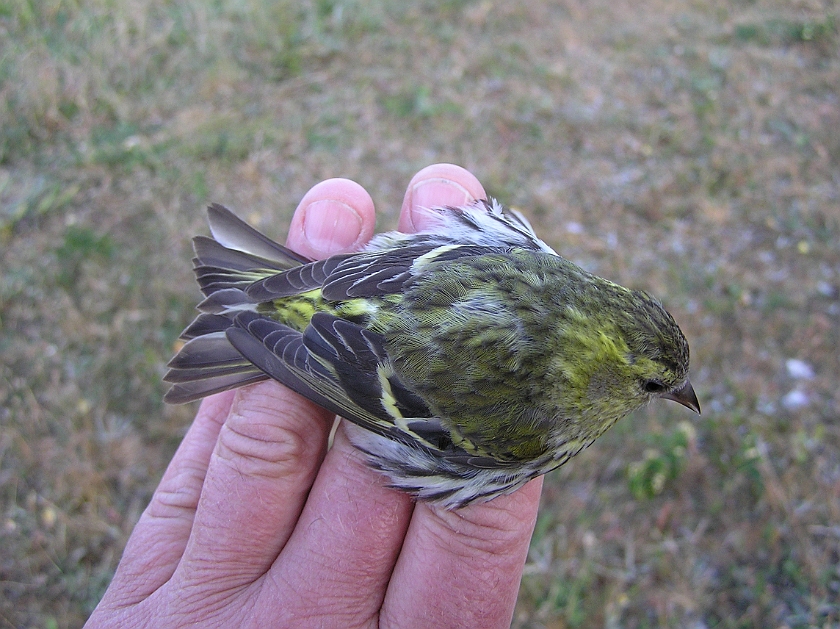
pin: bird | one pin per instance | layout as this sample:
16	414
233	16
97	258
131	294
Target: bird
468	358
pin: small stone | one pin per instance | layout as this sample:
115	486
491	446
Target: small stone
799	369
795	400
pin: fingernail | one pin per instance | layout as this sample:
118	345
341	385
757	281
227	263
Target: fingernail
331	226
439	192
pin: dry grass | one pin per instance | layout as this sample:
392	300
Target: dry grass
691	148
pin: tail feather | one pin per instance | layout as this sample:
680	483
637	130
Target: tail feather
223	301
234	233
211	278
205	324
208	351
236	257
210	253
205	365
182	393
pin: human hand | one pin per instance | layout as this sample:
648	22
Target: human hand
256	523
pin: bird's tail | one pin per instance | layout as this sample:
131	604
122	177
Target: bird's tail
236	256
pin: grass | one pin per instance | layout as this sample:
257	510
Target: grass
688	148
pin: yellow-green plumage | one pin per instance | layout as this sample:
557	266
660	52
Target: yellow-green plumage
474	358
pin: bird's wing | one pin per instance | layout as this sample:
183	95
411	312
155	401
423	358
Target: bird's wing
342	367
363	274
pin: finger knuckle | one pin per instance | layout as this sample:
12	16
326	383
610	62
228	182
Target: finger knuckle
264	438
488	530
177	496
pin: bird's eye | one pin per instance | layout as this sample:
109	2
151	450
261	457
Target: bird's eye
652	386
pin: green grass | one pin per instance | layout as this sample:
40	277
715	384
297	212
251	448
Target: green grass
688	148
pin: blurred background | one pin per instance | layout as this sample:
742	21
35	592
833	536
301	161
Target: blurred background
689	147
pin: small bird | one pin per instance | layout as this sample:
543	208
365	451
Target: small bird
471	356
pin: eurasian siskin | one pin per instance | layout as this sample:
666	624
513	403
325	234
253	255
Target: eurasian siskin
472	356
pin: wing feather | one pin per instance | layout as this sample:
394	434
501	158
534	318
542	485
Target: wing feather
298	280
337	365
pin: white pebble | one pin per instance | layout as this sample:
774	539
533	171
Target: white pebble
799	369
795	400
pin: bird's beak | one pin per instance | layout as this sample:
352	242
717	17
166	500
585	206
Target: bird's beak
686	396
